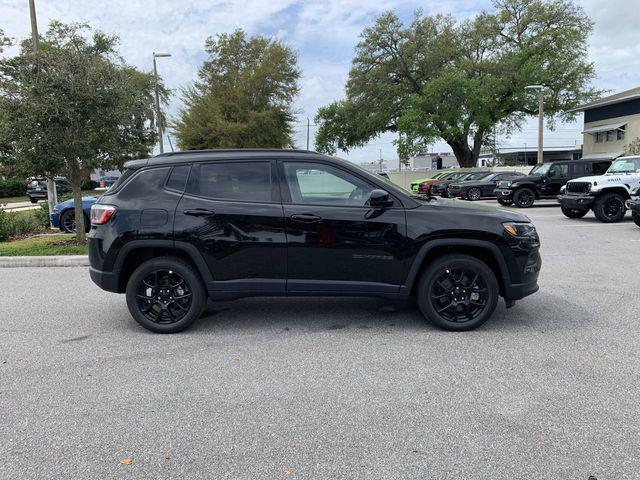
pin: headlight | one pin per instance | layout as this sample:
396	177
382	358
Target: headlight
519	229
56	209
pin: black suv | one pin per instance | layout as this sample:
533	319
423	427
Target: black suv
182	227
545	181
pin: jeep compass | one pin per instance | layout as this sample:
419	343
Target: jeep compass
180	228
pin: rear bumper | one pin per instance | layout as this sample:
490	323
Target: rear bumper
579	202
105	280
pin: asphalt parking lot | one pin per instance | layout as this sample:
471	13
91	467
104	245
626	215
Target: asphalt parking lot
331	388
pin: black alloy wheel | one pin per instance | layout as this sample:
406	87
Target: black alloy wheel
68	221
165	295
474	194
458	292
524	198
610	208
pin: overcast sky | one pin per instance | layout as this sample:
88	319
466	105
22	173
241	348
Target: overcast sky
323	32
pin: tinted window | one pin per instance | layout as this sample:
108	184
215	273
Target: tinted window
311	183
178	177
126	174
599	168
578	169
244	181
559	169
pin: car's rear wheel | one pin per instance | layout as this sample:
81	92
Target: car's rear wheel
33	200
573	212
474	194
165	295
609	208
636	218
457	292
68	221
524	198
505	202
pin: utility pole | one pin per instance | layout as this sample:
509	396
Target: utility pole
52	194
158	113
540	89
380	161
308	125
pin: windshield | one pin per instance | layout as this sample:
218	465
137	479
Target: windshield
626	165
540	169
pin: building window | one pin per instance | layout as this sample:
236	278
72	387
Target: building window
620	133
611	135
599	137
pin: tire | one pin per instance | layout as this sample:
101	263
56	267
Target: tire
473	194
609	208
33	200
524	198
636	218
505	202
151	290
440	284
68	222
573	212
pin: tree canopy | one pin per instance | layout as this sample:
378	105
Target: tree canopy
74	106
243	97
439	78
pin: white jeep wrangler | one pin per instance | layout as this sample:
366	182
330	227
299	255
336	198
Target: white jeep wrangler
605	194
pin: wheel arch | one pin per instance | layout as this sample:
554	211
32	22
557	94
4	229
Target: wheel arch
488	252
617	190
134	253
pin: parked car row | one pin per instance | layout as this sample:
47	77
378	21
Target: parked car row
607	188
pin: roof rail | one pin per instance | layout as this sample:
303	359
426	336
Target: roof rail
222	150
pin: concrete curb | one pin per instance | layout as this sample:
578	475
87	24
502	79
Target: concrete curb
45	261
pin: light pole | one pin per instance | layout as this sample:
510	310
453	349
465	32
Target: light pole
540	89
158	114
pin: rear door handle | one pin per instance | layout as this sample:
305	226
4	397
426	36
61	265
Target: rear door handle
200	212
306	218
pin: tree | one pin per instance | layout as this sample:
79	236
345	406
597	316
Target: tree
243	97
438	78
633	148
74	106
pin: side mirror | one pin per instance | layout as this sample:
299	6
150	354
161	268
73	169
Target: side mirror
380	199
552	173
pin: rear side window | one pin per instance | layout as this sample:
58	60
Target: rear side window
178	178
120	181
578	169
242	181
599	168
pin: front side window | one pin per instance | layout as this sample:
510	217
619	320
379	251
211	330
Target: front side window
241	181
318	184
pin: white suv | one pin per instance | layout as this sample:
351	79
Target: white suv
604	194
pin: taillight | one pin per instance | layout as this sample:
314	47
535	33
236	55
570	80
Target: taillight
100	214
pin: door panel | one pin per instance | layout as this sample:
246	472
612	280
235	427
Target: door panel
343	247
243	243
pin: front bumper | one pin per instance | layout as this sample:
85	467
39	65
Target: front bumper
633	205
503	193
55	219
531	271
579	202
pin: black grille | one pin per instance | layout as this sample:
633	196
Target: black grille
578	187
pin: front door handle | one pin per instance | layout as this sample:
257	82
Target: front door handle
306	218
200	212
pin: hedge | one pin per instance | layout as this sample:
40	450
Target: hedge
12	188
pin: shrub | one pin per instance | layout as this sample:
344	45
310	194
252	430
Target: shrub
12	188
89	185
17	224
7	225
41	215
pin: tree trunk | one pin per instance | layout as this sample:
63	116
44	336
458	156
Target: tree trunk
76	187
463	153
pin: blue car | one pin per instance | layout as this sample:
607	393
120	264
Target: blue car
64	217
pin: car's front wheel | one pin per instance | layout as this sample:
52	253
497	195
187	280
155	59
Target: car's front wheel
457	292
474	194
609	208
573	212
165	295
524	198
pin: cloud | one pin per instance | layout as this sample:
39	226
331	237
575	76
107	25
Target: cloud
323	32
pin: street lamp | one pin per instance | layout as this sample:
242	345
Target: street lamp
158	115
540	89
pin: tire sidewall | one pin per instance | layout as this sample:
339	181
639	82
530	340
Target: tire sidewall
603	201
573	212
433	271
199	296
64	215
